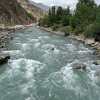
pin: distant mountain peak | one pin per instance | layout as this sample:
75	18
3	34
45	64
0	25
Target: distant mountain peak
40	5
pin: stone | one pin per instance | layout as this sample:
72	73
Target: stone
52	49
78	65
4	58
96	62
89	41
97	74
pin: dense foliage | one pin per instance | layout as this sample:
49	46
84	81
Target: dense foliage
59	16
85	20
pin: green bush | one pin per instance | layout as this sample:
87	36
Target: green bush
44	22
78	30
87	31
66	30
93	30
96	31
55	27
65	21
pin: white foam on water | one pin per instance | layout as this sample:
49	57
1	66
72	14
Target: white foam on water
67	79
18	43
16	53
28	98
85	50
92	70
56	50
36	45
33	40
20	34
25	70
43	37
80	52
71	81
30	66
48	46
70	47
25	46
24	88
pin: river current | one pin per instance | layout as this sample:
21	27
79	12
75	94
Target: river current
40	68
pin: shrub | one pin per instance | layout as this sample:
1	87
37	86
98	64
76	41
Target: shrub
65	21
96	31
44	22
55	27
78	30
66	30
87	31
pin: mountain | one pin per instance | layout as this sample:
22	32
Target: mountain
40	5
32	9
11	13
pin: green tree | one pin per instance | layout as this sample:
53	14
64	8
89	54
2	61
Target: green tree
95	30
98	15
53	15
59	14
66	17
85	13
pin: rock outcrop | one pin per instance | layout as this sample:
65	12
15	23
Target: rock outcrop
78	65
32	9
11	13
6	36
4	58
97	62
97	74
89	41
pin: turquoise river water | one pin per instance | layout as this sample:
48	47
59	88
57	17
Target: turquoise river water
37	72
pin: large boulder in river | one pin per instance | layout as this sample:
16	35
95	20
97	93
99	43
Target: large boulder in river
97	62
4	58
78	65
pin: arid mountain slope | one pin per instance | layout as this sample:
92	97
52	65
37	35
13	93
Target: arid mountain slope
35	11
11	13
40	5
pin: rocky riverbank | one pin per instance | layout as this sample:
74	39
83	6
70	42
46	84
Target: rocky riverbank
5	33
50	30
88	41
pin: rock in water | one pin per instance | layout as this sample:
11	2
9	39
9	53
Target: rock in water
52	49
97	74
4	58
78	65
96	62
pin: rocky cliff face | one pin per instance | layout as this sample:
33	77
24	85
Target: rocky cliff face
32	9
11	13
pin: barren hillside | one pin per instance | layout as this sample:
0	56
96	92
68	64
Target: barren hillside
11	13
35	11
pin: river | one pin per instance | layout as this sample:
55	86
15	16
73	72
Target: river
40	68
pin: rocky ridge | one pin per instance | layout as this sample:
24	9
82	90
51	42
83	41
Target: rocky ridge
11	13
32	9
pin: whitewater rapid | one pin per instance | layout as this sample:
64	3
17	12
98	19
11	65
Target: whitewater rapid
40	68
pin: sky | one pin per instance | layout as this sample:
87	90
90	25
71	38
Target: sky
64	3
